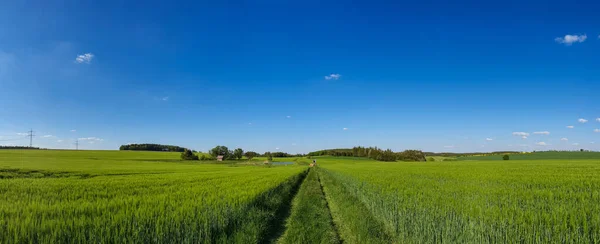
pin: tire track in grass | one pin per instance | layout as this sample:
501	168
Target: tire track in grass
354	222
311	221
335	227
276	226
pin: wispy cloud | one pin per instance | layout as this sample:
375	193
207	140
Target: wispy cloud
289	117
448	146
524	137
583	121
333	76
73	130
564	139
345	129
570	39
520	134
541	143
489	139
542	133
47	136
597	130
276	148
84	58
59	141
598	119
23	134
570	126
575	144
165	99
91	139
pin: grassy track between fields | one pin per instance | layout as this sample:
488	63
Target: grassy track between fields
353	220
310	221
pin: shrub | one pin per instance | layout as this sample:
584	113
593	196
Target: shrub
250	155
205	157
506	157
432	159
412	155
188	155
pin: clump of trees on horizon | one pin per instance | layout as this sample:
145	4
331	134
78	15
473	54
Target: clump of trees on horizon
152	147
374	153
18	147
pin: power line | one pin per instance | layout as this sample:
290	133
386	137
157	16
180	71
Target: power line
76	144
31	135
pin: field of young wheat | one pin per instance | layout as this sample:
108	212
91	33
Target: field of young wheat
537	201
142	197
153	197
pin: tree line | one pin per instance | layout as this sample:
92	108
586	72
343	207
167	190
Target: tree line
18	147
152	147
449	154
373	153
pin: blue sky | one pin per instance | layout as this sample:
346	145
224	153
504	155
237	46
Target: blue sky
426	75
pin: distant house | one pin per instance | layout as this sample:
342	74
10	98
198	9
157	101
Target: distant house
219	158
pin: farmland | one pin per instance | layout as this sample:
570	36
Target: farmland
68	196
154	197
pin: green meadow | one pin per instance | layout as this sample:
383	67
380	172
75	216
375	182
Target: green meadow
50	196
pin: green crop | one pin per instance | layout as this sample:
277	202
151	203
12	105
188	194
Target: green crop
141	197
537	201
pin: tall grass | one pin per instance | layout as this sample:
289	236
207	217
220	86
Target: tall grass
534	201
122	199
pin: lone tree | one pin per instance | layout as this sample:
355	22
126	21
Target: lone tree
188	155
238	153
505	157
220	151
269	156
250	155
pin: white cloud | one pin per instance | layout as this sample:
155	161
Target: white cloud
592	142
448	146
47	136
249	123
165	99
73	130
489	139
293	144
542	133
564	139
345	129
333	77
524	137
570	126
23	134
597	130
541	143
575	144
59	141
84	58
91	139
570	39
598	119
288	117
520	134
582	121
276	148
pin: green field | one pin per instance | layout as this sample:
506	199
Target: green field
153	197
